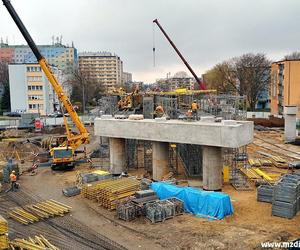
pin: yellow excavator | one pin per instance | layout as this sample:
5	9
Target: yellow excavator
63	155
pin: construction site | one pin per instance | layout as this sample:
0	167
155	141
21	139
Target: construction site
182	169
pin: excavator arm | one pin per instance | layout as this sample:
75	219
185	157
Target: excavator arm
74	141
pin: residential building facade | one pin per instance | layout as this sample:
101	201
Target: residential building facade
30	90
61	56
173	83
285	85
127	77
103	68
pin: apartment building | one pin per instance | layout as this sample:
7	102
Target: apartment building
61	56
172	83
30	90
127	77
103	68
285	85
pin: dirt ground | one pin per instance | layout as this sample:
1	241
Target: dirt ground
250	225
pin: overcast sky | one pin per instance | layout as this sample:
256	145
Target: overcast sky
205	31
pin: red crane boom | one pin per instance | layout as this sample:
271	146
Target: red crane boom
201	84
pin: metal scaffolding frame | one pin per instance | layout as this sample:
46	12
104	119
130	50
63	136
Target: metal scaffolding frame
191	156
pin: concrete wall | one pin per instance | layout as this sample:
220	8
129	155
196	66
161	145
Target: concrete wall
18	90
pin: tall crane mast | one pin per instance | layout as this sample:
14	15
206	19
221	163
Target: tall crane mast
73	141
201	84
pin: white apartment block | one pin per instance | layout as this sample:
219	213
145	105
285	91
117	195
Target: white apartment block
102	67
30	90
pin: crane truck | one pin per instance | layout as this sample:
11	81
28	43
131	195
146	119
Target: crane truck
63	155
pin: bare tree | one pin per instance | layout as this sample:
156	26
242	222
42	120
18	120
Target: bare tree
248	75
3	73
4	83
293	56
253	74
221	77
85	89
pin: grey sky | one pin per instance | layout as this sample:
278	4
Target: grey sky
206	31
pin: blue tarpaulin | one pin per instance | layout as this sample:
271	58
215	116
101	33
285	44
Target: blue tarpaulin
196	201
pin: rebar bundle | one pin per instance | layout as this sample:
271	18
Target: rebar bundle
36	243
3	233
35	212
108	192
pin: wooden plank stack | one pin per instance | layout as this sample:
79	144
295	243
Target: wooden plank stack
42	210
36	243
3	233
109	192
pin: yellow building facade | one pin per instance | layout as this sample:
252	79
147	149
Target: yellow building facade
285	85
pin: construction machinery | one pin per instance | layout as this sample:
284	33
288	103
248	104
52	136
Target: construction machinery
199	81
63	155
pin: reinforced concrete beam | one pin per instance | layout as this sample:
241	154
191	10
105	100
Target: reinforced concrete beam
227	134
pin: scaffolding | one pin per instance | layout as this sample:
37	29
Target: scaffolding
191	156
235	159
131	153
147	152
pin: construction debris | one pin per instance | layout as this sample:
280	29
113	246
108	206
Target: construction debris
92	176
35	243
71	191
43	210
108	192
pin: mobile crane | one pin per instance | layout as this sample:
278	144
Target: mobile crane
63	155
201	84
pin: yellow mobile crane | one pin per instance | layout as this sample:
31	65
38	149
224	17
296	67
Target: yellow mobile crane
62	155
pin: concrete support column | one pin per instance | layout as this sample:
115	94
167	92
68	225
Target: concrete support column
212	168
160	159
117	155
290	131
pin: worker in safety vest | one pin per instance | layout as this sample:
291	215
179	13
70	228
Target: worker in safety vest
159	111
13	180
195	107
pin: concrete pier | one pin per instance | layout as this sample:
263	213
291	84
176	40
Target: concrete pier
160	159
117	155
290	131
212	168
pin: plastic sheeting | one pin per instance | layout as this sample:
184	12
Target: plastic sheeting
214	205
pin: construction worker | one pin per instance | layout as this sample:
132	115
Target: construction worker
195	108
13	180
159	111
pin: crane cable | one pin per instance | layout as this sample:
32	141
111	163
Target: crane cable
153	43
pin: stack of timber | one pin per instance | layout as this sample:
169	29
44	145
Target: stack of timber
3	233
279	162
36	243
258	162
109	192
35	212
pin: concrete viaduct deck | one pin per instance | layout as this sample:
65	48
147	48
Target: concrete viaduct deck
212	136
